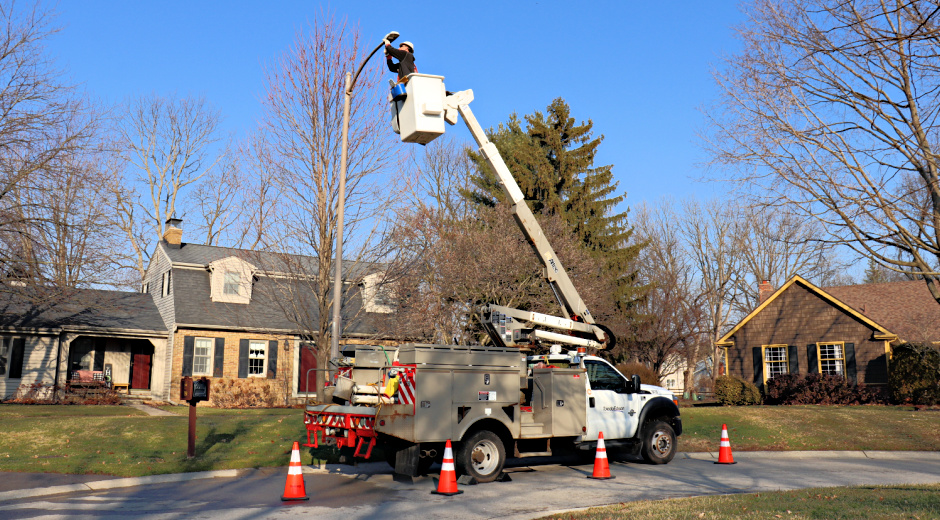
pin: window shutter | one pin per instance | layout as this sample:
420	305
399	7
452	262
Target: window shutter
272	359
218	361
758	366
189	343
17	354
851	373
242	358
793	359
811	353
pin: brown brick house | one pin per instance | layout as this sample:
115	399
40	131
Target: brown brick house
239	314
848	330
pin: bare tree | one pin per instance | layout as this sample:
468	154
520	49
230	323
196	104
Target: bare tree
441	172
777	244
219	202
168	145
831	109
302	123
481	259
54	235
43	122
668	337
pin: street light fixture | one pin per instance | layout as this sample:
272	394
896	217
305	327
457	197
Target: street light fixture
341	202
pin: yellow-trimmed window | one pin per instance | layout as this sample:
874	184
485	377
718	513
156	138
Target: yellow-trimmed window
831	357
775	361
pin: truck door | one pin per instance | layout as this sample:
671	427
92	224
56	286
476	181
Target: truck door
610	402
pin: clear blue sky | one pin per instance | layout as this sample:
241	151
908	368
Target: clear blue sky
639	70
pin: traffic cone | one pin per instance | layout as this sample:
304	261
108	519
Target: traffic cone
447	484
724	448
601	469
294	487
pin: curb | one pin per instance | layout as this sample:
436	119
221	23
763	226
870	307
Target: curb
99	485
782	455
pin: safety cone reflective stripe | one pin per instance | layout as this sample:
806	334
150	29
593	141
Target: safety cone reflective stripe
601	469
447	484
724	447
294	487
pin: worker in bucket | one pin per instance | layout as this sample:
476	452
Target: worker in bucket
405	54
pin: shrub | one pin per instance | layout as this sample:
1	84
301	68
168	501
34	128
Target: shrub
819	389
45	393
914	376
732	390
242	393
648	376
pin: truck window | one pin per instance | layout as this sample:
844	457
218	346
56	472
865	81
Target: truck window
603	377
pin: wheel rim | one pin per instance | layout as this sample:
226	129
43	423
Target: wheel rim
485	457
661	443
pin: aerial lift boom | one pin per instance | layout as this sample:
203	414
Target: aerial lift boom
505	324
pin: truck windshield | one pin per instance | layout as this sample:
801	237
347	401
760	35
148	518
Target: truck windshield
603	377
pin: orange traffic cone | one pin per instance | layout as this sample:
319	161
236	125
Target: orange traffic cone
447	484
294	487
601	469
724	447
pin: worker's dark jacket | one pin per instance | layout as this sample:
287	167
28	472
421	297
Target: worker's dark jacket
406	62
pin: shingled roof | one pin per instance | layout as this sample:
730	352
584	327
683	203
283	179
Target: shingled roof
268	308
79	309
266	261
905	308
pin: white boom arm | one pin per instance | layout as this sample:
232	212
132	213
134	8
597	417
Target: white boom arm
500	321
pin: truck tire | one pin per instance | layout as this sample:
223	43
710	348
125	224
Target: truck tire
482	456
659	442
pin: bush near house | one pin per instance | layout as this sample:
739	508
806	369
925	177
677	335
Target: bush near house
732	390
792	389
915	374
648	376
243	393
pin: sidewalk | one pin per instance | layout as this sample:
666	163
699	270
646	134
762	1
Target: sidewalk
16	486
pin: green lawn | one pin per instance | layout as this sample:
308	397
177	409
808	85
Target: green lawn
120	440
882	502
788	428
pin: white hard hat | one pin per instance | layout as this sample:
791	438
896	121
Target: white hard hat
410	46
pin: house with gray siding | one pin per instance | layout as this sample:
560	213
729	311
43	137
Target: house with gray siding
218	312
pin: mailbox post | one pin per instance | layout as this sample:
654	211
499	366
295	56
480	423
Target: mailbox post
193	391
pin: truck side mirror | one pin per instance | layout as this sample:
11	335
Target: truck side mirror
636	383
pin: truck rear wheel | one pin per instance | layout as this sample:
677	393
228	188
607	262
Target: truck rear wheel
482	456
659	442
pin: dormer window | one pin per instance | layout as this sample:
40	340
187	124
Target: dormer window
377	295
232	280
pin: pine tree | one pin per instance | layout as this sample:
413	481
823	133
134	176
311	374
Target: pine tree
552	160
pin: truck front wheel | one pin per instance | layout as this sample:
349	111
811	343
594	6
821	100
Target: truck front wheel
482	456
659	442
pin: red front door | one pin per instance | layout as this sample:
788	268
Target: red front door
140	367
308	360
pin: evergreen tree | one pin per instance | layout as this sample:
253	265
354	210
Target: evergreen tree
552	160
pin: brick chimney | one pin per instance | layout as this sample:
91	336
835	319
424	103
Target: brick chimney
764	290
173	235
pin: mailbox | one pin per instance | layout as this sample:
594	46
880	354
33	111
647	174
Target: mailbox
201	389
194	390
186	389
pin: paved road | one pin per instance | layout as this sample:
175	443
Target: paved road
535	490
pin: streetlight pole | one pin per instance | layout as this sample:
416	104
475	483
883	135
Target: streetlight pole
337	328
